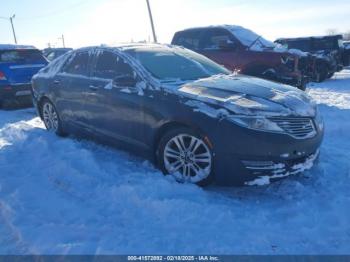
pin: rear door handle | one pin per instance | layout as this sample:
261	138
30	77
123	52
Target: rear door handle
56	82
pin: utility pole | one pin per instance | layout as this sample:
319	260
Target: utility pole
151	19
62	38
64	45
13	28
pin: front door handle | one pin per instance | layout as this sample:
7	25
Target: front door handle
56	82
94	88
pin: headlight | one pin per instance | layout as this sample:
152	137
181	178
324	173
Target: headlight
256	123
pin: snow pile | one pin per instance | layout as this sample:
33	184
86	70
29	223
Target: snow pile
335	92
206	109
65	196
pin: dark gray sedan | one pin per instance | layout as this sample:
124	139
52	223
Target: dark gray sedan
196	120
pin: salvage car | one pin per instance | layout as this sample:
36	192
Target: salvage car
238	48
18	63
195	119
346	56
327	51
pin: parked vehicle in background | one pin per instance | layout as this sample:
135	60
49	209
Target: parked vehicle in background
238	48
195	119
18	64
328	53
346	53
52	53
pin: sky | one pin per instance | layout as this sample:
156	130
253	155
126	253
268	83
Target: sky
95	22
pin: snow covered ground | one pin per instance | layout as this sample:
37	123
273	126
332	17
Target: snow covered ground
64	196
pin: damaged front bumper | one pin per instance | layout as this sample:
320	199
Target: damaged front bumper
295	78
268	171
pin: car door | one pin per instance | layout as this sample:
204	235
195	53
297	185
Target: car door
211	46
117	110
72	84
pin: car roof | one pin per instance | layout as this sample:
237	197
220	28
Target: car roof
244	35
14	47
129	46
58	48
225	26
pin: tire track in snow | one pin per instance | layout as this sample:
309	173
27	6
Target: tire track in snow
12	239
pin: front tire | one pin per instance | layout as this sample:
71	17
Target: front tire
321	73
51	118
183	154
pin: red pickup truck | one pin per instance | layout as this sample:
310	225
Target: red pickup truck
240	49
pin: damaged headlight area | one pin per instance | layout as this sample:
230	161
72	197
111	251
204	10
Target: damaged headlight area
260	123
289	62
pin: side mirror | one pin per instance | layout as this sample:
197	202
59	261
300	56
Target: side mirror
125	81
227	45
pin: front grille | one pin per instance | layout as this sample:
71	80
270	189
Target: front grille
297	127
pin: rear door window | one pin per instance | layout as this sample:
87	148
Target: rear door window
79	65
189	39
30	56
213	37
110	66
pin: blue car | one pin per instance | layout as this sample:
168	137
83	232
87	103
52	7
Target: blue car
193	118
18	64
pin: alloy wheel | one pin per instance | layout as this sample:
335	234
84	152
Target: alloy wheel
50	117
187	158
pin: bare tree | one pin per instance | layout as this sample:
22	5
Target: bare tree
346	36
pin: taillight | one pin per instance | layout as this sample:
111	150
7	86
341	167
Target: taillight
2	76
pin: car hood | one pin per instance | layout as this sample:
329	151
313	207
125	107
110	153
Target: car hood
246	95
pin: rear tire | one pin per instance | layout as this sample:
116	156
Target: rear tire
302	86
330	75
183	154
51	117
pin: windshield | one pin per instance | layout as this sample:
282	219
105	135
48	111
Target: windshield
249	38
173	64
21	56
